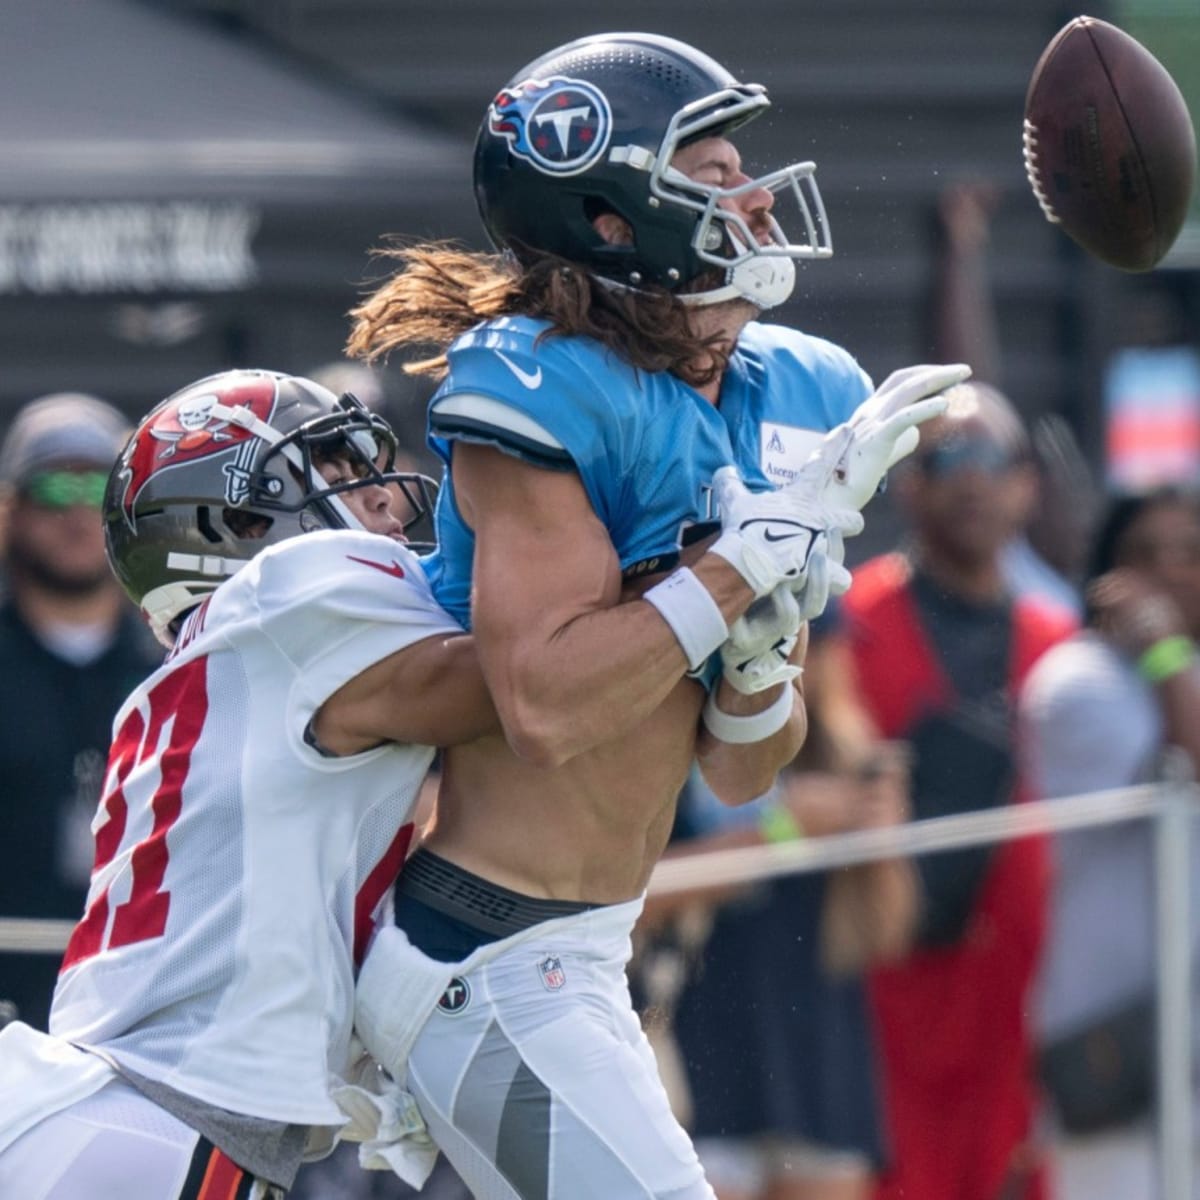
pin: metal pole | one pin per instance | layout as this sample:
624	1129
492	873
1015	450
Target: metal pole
1173	856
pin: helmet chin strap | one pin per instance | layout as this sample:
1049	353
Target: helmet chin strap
245	418
765	280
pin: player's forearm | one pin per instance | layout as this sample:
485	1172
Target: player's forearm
565	687
569	665
431	693
740	772
455	702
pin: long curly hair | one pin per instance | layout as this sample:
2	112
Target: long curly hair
441	290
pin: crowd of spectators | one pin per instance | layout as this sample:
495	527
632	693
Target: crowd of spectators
925	1027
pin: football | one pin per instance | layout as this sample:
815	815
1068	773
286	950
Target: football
1109	147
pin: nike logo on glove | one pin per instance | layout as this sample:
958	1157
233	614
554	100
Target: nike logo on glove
770	536
394	569
531	379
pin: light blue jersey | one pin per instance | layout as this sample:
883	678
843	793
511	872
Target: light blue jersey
645	445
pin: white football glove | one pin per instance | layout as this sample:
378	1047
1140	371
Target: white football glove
884	429
827	576
756	655
771	537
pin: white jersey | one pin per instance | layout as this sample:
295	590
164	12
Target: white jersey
238	870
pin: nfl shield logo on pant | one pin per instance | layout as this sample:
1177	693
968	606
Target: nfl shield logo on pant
552	973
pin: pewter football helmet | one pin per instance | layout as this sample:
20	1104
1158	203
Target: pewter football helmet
227	466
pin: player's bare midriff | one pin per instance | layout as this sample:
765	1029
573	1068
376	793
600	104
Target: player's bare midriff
590	830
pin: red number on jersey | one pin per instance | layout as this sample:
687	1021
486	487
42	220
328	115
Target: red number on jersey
181	699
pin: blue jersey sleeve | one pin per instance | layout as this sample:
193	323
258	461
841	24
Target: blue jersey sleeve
553	402
558	403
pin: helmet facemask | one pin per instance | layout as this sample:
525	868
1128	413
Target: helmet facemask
762	273
288	478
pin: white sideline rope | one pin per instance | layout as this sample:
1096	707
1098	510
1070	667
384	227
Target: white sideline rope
723	868
1174	805
33	935
752	863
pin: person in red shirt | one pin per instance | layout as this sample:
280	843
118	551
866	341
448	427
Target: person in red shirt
941	646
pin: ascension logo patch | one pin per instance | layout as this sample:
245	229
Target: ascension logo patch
784	449
456	997
560	126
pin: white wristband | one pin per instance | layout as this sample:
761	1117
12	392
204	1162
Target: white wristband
693	615
740	730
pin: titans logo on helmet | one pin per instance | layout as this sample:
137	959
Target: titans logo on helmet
561	126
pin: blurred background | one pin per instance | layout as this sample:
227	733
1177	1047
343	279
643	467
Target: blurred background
192	185
195	184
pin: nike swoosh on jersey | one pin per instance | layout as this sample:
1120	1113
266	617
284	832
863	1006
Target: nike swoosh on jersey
531	379
394	569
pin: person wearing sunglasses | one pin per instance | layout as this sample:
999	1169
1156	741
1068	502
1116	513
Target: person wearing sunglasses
71	647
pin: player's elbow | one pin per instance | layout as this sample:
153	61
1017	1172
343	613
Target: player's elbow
539	748
539	734
544	722
539	755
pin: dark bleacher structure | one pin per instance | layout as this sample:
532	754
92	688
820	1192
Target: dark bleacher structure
894	99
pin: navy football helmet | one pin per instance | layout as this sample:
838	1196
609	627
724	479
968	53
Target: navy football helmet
592	127
229	465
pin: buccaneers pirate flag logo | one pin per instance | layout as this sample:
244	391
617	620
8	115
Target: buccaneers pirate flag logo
184	428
